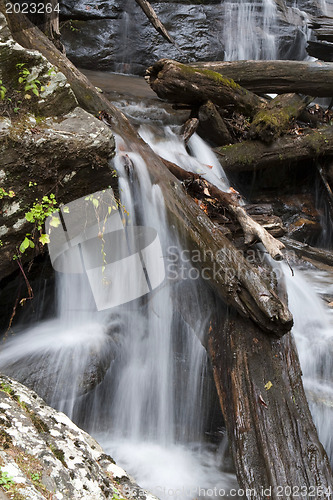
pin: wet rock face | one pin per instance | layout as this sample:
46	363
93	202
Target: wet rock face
44	454
116	35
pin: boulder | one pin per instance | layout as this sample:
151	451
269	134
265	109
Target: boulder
44	454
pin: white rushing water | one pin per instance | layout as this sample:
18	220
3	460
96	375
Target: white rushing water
250	30
313	331
136	376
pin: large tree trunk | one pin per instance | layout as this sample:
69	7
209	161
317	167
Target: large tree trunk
255	155
180	83
272	436
246	291
281	77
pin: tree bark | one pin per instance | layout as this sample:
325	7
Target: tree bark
272	437
274	120
152	16
228	272
263	77
255	155
180	83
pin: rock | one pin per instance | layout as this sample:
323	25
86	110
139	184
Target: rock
60	155
46	455
56	99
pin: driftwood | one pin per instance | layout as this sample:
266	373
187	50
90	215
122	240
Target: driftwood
255	155
152	16
247	293
252	230
270	429
184	84
281	77
188	129
274	120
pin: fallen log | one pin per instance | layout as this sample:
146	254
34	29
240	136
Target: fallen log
280	77
274	120
232	276
255	155
251	229
271	433
307	252
152	16
180	83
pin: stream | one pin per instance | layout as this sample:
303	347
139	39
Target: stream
136	375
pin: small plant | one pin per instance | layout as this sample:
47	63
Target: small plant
5	480
4	193
3	91
35	476
29	83
37	215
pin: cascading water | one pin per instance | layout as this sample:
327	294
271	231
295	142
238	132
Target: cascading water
313	331
254	22
136	376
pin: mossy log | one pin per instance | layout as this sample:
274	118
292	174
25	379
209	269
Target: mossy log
281	77
180	83
287	150
272	437
274	120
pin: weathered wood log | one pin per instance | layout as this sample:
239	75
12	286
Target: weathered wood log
212	127
264	77
252	230
51	27
274	120
180	83
152	16
306	251
271	433
255	155
188	129
232	276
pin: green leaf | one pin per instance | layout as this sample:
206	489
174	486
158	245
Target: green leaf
35	91
95	202
20	79
65	210
29	217
268	385
44	238
24	245
31	244
55	222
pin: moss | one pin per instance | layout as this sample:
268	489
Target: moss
213	75
59	454
6	440
38	422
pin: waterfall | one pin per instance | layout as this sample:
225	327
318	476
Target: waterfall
254	23
313	332
136	375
